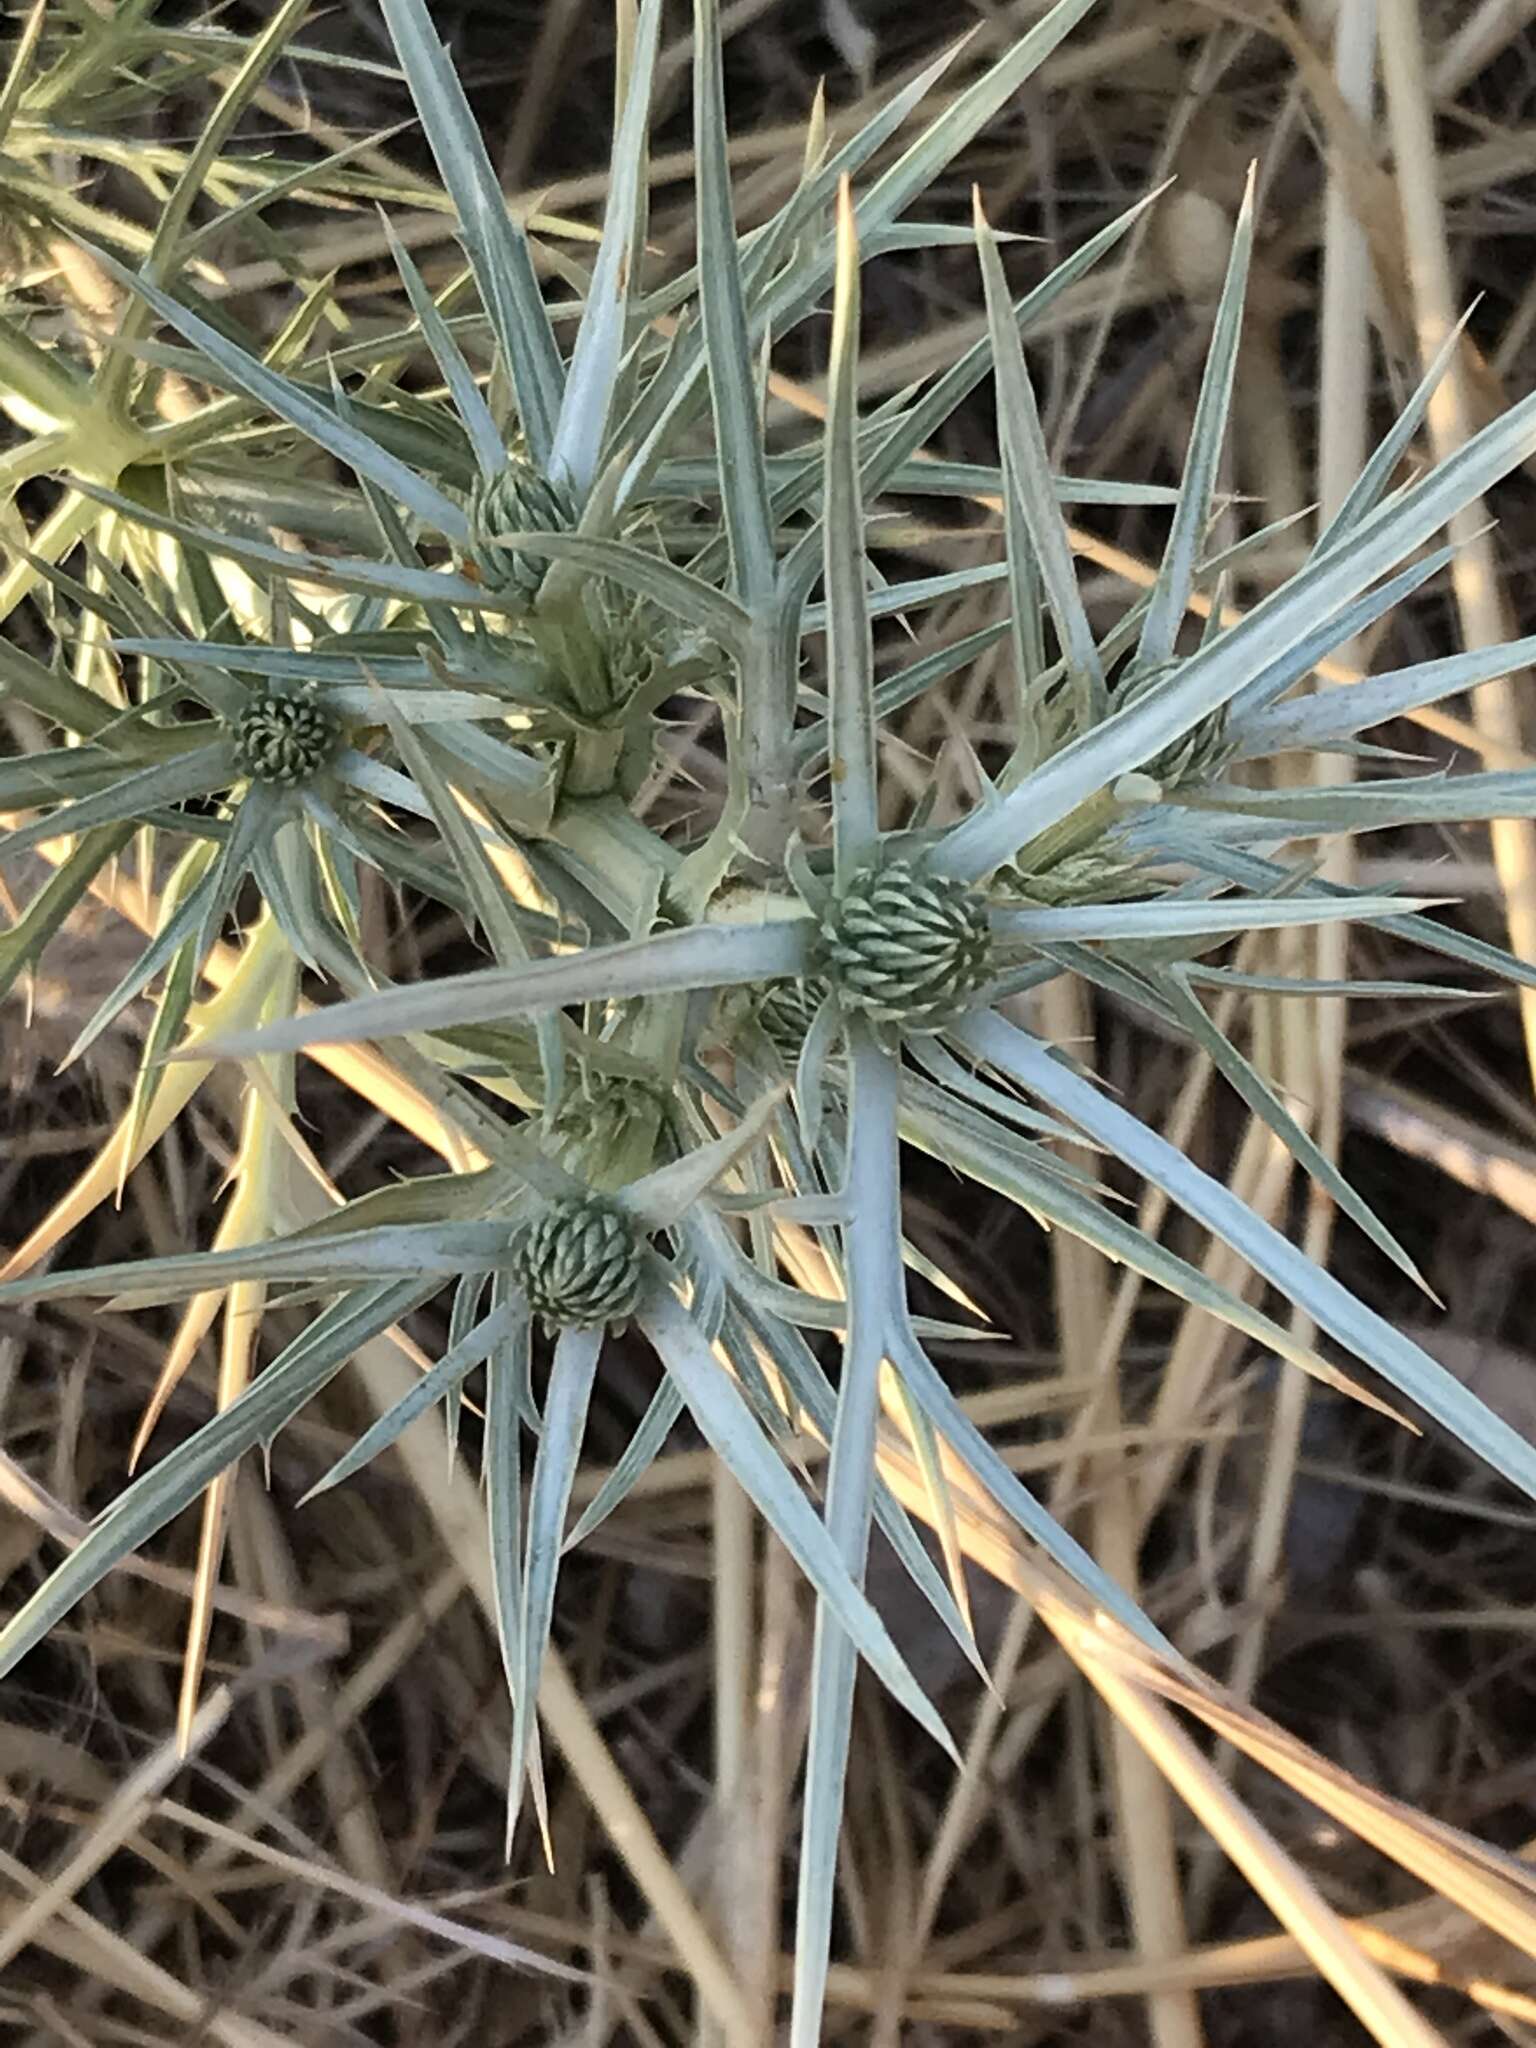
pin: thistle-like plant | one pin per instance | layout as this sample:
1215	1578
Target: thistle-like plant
696	1041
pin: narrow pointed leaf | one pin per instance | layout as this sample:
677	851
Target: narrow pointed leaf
1367	490
1332	1306
287	1385
505	1380
1023	441
21	947
1186	539
1332	631
1373	806
667	1193
496	244
434	1386
854	765
997	1160
1256	1092
345	572
647	1442
921	421
1215	675
1181	919
1336	714
484	436
728	1426
554	1473
603	337
703	956
876	1286
648	575
728	350
166	783
225	363
811	1067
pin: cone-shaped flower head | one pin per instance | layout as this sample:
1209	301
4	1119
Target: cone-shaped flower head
579	1263
285	739
520	500
786	1010
904	947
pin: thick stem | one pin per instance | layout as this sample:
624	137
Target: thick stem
35	381
592	761
1073	834
767	687
636	863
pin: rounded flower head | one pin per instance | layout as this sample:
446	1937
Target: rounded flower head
1203	751
285	740
520	500
904	947
579	1263
785	1011
597	1120
1102	873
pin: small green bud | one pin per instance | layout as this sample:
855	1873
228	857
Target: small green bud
1200	754
633	656
520	500
1198	757
1097	874
604	1110
579	1263
785	1011
285	740
905	947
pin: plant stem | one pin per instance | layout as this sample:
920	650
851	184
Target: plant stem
767	696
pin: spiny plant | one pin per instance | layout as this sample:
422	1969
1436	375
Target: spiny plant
693	1040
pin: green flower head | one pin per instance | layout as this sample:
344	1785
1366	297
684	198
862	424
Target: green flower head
285	740
785	1012
904	947
520	500
579	1263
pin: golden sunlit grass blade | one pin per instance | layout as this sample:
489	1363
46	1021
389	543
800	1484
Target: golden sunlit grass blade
1143	1809
925	1446
242	1322
196	1321
239	1002
1341	1960
1475	573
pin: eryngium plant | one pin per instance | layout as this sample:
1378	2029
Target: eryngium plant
690	1039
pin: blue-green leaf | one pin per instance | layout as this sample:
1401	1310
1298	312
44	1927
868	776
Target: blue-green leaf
872	1241
287	1385
645	1444
854	770
198	773
484	436
228	364
1369	1336
603	337
549	1497
1197	491
1215	675
494	241
434	1386
728	351
728	1426
1327	716
1029	469
702	956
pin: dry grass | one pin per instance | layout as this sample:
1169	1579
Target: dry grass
327	1864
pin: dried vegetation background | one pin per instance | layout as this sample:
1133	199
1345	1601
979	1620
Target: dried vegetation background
329	1867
